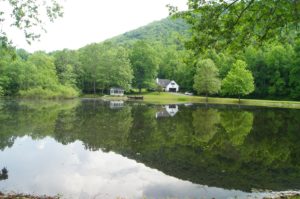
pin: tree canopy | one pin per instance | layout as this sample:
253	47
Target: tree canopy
144	63
219	24
29	15
239	80
206	79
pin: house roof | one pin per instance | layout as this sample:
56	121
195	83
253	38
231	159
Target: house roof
115	88
163	82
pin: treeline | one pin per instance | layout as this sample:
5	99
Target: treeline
272	69
32	75
274	66
92	69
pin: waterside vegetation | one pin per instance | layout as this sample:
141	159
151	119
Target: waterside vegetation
263	66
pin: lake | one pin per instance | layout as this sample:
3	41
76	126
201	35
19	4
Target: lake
97	149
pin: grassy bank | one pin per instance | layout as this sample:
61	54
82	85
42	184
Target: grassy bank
170	98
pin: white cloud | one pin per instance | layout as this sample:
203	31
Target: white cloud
87	21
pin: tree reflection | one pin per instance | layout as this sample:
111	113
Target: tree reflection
205	122
216	146
237	125
4	174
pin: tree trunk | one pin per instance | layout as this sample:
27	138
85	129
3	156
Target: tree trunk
206	97
239	99
94	87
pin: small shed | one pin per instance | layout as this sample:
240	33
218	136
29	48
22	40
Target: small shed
117	91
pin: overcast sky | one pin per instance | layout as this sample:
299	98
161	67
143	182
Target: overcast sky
87	21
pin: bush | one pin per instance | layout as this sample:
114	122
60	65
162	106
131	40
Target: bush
1	91
59	92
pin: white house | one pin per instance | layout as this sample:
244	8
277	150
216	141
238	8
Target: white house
117	91
168	85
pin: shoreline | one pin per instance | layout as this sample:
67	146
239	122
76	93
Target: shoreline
281	195
171	98
174	98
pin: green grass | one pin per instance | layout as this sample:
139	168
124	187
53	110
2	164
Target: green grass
169	98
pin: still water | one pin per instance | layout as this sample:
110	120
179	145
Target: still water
96	149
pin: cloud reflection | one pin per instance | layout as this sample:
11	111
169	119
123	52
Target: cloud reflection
78	173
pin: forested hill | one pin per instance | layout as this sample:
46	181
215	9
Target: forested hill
159	31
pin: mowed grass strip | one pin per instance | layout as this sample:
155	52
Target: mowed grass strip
172	98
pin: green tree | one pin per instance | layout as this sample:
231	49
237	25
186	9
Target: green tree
66	62
239	80
105	65
144	63
294	80
28	15
118	67
206	78
90	58
235	24
279	60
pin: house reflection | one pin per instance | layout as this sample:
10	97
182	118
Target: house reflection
167	111
116	104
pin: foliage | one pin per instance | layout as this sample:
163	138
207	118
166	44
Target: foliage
219	24
103	66
206	78
166	32
144	63
29	15
294	80
225	143
159	53
35	75
239	81
272	67
66	65
59	92
1	91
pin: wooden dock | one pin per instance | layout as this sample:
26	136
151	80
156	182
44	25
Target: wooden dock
135	97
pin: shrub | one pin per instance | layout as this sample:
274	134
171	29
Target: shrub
1	91
58	92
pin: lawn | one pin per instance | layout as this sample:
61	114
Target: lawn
170	98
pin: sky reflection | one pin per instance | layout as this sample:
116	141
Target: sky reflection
48	167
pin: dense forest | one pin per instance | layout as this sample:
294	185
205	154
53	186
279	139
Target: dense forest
165	49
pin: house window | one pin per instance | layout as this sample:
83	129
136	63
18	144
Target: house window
172	84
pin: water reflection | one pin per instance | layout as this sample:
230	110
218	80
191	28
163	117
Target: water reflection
116	104
79	173
202	147
4	174
167	111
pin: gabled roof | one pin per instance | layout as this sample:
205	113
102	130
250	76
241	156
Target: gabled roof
163	82
116	88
